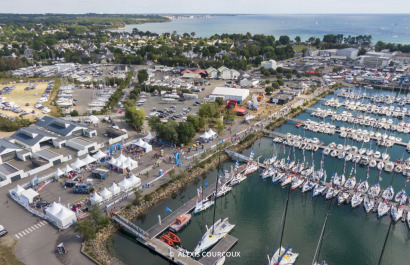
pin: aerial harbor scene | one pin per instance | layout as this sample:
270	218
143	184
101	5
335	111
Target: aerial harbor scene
227	133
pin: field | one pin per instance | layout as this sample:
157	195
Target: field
20	97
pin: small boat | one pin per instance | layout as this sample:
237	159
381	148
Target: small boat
401	197
238	178
349	157
308	185
278	177
319	189
252	167
202	206
408	219
397	213
166	240
343	196
368	204
284	257
270	160
287	180
180	222
297	182
388	193
375	190
350	183
224	189
372	163
363	187
332	192
380	165
213	234
357	199
268	172
382	209
174	238
339	180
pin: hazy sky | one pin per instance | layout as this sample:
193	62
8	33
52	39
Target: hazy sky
207	6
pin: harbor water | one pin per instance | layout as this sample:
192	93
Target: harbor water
256	208
388	28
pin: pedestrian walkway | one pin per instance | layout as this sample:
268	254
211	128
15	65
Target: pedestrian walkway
27	231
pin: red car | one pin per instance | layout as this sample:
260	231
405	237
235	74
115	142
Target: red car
76	206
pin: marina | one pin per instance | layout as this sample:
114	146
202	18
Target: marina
356	199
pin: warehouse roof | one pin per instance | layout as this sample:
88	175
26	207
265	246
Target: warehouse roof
227	91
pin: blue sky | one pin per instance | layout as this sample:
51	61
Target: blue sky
208	6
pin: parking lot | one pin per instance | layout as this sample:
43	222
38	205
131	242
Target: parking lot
20	99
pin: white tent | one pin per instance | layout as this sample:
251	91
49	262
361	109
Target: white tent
18	190
212	133
114	189
150	137
67	169
58	173
125	185
139	143
65	217
135	181
106	194
113	161
147	147
95	199
93	119
53	209
88	159
77	164
121	158
130	163
205	137
27	196
99	155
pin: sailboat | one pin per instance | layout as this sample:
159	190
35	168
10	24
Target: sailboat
251	166
218	230
203	204
397	212
236	176
368	204
283	256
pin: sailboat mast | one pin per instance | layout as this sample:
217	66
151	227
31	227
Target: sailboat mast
385	241
319	244
216	192
284	220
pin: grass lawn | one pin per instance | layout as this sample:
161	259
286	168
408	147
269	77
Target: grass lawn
300	48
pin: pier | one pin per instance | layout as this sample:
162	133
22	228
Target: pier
149	238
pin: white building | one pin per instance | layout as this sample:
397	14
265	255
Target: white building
212	72
249	83
228	74
228	93
350	53
270	64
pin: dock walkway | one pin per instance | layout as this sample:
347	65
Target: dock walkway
222	246
185	208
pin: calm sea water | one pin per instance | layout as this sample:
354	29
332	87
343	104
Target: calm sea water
256	208
388	28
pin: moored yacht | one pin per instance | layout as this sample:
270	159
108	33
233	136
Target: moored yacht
213	234
368	204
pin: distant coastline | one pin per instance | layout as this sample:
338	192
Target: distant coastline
386	27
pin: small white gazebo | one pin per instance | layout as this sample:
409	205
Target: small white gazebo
100	154
212	133
96	198
67	169
58	173
77	164
135	181
125	185
106	194
150	137
139	143
114	189
88	159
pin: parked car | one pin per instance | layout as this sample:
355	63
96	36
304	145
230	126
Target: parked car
2	231
40	204
82	189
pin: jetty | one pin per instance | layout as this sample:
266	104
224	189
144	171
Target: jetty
149	238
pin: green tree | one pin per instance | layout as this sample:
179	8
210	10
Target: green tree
275	85
154	123
74	113
134	117
186	132
284	40
219	100
194	120
297	39
288	75
142	76
281	82
219	126
269	90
